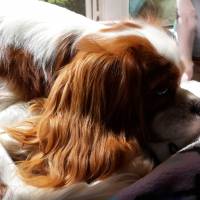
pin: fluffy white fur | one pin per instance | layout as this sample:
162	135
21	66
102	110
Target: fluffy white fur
37	26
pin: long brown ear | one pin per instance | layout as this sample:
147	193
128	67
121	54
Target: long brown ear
81	132
123	59
95	100
117	62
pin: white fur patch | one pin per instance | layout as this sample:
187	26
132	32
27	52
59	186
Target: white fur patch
165	45
162	42
37	27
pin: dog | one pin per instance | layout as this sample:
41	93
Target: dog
94	92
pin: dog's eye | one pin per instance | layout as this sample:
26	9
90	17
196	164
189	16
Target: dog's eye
162	91
195	108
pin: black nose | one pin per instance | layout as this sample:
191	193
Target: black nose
195	107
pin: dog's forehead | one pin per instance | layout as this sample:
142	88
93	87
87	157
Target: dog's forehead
165	45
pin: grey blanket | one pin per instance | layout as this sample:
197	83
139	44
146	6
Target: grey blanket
178	178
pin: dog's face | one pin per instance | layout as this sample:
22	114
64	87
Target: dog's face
177	126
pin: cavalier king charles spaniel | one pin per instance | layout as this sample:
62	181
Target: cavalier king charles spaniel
94	91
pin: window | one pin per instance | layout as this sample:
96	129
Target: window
74	5
165	10
109	10
96	9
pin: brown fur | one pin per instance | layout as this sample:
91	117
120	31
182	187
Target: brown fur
25	77
21	73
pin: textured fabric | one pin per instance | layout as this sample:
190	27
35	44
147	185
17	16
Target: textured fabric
178	178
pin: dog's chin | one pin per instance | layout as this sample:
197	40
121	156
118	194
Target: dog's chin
177	126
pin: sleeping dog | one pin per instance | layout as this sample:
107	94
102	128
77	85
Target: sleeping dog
95	91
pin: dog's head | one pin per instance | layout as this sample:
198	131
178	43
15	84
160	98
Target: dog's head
106	96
